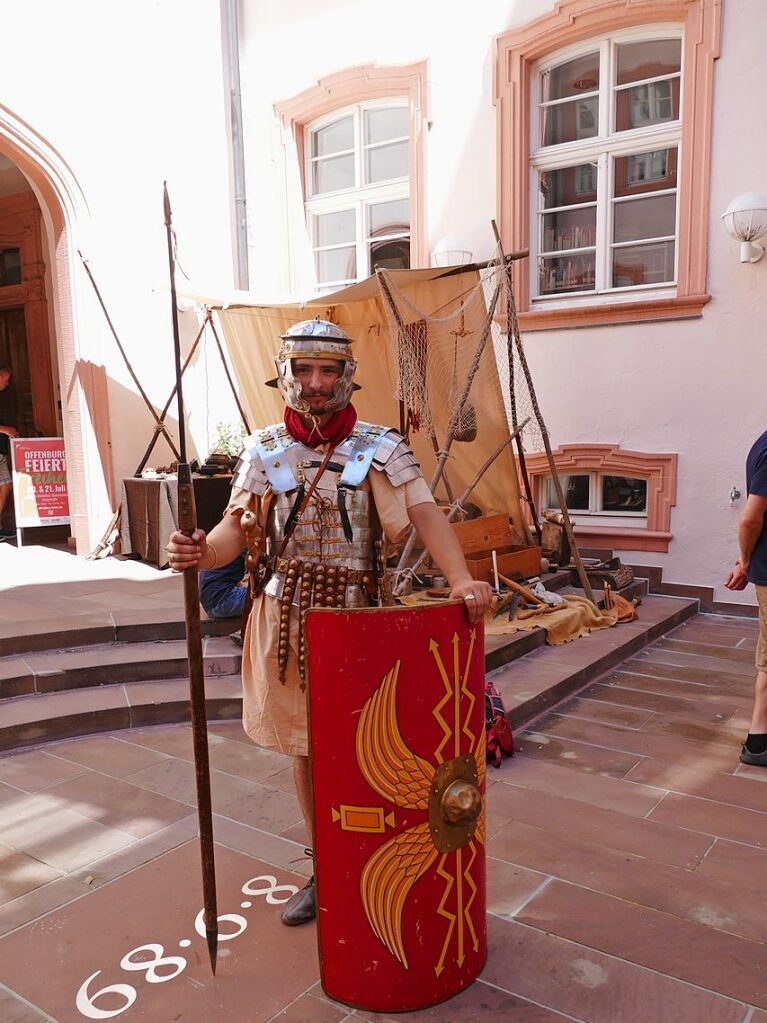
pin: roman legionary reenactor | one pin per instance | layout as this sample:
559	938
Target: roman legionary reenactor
314	497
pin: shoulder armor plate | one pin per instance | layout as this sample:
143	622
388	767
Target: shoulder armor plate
366	440
268	451
394	457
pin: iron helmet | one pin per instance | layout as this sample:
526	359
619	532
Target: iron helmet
315	339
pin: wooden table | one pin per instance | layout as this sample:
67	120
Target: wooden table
149	512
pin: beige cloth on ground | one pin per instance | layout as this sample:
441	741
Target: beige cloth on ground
274	715
562	622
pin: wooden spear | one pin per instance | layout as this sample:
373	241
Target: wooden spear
187	521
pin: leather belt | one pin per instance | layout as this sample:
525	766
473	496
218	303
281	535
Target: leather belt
354	577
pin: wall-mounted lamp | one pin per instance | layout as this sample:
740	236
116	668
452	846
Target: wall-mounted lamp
745	219
450	252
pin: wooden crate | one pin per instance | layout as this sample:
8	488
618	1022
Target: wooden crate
514	561
486	533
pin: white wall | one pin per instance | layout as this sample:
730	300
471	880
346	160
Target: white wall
695	387
129	96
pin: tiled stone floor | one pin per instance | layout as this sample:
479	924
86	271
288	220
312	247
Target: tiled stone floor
626	856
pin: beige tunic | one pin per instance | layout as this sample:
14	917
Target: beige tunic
274	714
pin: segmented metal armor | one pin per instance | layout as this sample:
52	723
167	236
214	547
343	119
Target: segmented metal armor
331	557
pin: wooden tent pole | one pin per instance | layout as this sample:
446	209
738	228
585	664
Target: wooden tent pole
506	264
159	425
584	579
465	495
235	395
167	405
408	548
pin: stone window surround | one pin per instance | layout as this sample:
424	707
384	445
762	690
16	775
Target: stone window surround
356	85
658	468
573	21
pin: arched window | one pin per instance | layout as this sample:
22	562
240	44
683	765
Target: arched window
605	141
357	187
604	138
360	141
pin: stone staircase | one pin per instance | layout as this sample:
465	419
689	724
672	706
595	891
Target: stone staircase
131	671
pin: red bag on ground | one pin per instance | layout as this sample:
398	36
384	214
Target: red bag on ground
500	741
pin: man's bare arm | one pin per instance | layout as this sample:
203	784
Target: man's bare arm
442	544
749	530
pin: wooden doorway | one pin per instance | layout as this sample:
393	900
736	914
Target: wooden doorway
24	333
14	353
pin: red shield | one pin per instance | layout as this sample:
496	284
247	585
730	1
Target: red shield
396	699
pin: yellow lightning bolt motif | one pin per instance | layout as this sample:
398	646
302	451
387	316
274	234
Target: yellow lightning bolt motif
456	694
459	893
471	697
443	912
467	909
434	651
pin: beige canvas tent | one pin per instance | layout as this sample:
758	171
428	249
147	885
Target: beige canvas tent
251	330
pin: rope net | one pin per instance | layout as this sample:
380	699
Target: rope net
437	349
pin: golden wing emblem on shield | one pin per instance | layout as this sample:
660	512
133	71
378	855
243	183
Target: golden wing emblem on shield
388	765
449	791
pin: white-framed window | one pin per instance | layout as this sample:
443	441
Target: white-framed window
606	134
591	496
357	184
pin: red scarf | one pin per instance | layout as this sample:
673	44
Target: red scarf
337	428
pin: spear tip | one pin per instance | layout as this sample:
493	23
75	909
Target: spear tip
212	937
166	203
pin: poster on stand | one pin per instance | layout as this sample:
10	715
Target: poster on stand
39	472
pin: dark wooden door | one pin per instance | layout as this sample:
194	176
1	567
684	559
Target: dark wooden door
14	352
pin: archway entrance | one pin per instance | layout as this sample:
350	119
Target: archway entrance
25	324
62	382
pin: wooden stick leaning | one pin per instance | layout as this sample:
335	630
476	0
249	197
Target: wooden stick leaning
159	425
438	472
171	396
513	401
584	579
233	389
456	507
187	522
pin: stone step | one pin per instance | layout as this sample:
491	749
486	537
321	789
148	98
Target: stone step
125	626
63	694
108	664
545	677
45	717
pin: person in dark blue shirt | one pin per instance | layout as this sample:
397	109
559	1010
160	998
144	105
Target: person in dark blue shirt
222	591
751	567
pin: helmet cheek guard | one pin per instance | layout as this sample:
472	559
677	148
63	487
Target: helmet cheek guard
315	339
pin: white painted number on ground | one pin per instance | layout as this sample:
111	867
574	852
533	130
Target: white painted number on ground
150	959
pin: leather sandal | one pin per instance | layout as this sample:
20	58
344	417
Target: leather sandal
301	907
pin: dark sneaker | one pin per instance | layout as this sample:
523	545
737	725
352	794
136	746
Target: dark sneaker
301	907
755	759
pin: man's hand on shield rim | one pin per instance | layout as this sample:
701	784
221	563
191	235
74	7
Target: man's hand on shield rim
476	596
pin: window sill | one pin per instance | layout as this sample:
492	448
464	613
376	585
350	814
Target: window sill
625	539
606	313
